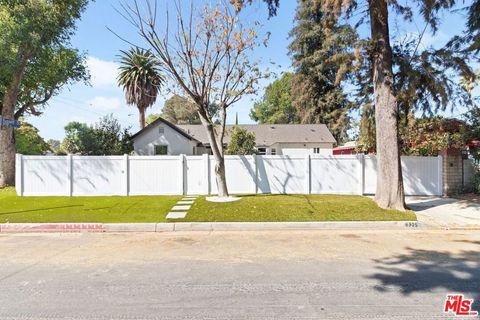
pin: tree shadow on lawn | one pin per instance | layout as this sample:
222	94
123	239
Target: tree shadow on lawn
253	195
39	209
424	270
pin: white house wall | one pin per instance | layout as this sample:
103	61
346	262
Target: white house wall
294	149
144	144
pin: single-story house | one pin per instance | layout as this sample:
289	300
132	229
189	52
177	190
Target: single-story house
164	138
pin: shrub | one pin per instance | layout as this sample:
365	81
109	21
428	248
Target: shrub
476	183
242	142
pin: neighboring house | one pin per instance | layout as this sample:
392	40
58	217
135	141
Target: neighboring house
348	148
164	138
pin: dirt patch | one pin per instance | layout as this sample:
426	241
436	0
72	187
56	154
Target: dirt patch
350	236
184	240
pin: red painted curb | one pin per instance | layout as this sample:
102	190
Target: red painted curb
51	227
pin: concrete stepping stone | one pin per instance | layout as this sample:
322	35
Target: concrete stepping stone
176	215
180	208
185	202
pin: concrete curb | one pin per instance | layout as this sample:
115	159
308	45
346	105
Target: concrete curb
130	227
51	227
208	226
257	226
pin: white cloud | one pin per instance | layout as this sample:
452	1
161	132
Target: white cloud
104	73
105	103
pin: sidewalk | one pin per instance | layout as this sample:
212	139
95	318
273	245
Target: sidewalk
206	226
445	213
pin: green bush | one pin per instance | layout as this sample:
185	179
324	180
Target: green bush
476	183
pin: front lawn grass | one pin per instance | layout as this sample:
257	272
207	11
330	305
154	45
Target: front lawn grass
83	209
251	208
265	208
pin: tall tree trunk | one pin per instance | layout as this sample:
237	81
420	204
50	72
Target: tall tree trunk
389	193
217	150
7	137
220	175
141	112
7	154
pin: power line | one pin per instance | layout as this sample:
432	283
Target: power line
72	105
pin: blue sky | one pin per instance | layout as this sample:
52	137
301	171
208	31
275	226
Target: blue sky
87	104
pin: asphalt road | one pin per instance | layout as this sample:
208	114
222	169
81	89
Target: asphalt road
237	275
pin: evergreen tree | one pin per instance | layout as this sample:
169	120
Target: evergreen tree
473	24
322	53
378	51
426	81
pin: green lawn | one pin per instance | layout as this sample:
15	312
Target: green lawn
83	209
155	208
295	208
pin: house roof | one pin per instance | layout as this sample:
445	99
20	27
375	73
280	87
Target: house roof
265	134
347	145
168	123
268	134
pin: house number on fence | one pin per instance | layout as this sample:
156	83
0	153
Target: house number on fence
9	123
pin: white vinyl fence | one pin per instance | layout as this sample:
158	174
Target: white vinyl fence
176	175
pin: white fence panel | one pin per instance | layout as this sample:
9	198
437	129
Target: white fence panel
370	175
240	174
98	175
281	174
197	178
155	175
336	174
168	175
421	175
44	176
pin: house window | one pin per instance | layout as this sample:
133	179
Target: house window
161	130
273	151
161	150
262	151
316	150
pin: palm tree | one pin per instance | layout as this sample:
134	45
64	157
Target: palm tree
140	78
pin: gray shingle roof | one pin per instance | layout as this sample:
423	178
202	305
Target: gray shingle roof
268	134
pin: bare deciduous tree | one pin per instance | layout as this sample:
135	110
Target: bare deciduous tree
206	55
